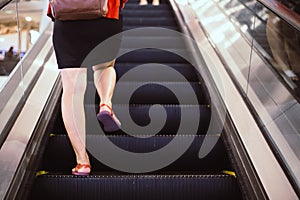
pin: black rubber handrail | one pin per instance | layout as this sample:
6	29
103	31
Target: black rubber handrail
4	3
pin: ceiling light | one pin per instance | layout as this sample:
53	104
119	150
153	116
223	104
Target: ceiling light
9	12
29	19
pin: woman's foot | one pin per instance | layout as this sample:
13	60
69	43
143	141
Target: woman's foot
155	2
82	170
143	2
108	119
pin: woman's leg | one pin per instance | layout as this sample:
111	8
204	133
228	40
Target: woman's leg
105	80
74	86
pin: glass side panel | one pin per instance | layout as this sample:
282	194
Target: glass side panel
271	36
261	52
13	43
21	24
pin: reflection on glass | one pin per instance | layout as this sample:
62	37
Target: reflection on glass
270	70
284	43
278	42
14	44
21	23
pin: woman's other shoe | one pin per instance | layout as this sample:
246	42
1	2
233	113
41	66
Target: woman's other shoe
108	119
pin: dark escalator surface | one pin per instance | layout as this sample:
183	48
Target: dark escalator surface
186	178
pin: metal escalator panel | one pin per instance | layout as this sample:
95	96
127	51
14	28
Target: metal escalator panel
188	177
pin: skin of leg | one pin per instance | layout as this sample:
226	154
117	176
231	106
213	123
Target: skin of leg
155	2
143	2
74	86
105	80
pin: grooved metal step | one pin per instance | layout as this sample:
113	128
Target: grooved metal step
59	151
155	93
149	13
159	187
154	21
139	114
136	6
184	116
165	42
150	74
156	56
175	28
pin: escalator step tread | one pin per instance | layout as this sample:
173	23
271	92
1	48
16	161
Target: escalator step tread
151	73
136	187
167	31
156	56
149	13
145	21
164	92
59	155
175	28
164	42
184	115
136	6
139	113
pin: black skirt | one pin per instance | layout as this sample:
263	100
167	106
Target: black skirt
80	43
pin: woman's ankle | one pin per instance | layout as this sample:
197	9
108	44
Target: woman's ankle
83	159
107	105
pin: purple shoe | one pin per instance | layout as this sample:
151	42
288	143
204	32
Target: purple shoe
108	119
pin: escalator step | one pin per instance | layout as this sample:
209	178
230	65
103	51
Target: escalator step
149	13
165	187
151	74
156	56
153	21
135	6
139	114
164	93
161	41
174	28
169	31
59	155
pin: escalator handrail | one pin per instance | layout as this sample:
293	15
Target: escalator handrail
285	13
4	3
